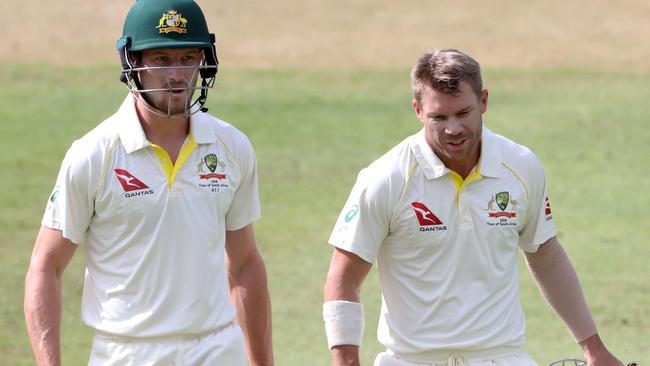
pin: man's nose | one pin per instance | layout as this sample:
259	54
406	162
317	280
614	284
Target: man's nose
453	127
177	71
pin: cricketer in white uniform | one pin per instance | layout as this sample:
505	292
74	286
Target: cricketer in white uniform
163	196
443	215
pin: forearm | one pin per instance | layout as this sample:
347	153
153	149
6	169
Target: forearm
558	281
42	308
342	311
249	292
345	354
559	284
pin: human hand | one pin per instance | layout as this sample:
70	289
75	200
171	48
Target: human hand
597	354
602	357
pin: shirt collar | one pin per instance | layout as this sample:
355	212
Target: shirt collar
130	130
132	135
491	158
201	128
433	167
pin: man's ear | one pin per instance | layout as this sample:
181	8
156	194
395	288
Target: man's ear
417	107
484	100
135	58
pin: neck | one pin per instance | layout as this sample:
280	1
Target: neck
464	165
462	168
168	133
158	128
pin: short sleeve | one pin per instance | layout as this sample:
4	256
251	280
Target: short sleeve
245	206
363	224
70	206
539	225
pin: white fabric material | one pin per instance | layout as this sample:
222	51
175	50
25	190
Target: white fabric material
451	280
225	347
519	358
343	322
154	256
456	360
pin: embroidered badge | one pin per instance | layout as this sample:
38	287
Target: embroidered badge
501	213
172	21
211	173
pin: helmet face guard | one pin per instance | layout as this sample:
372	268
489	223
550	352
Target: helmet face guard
168	24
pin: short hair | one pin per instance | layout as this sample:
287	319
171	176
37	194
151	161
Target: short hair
444	70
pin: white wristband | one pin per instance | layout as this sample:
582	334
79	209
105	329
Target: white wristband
343	322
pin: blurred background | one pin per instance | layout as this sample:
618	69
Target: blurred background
322	89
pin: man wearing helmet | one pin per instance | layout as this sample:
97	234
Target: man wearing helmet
163	196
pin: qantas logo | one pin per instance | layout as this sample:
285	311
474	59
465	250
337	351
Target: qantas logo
425	216
128	181
428	221
548	210
131	184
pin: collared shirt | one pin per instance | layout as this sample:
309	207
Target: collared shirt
155	231
446	248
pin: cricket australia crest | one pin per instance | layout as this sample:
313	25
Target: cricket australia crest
503	198
211	161
172	21
211	173
209	167
503	201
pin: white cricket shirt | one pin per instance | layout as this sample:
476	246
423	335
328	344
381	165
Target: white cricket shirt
446	249
155	231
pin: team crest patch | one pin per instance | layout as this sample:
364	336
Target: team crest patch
505	210
502	200
211	161
211	173
172	21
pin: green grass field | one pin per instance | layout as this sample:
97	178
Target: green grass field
313	130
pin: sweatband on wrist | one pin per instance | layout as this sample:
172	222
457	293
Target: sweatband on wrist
343	323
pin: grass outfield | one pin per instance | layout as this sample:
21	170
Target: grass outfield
313	131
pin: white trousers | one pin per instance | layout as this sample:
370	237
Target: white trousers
222	347
518	358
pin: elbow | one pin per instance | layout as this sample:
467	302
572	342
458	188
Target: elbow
252	268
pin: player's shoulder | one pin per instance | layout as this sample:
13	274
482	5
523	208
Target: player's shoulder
391	168
224	131
515	155
511	149
94	143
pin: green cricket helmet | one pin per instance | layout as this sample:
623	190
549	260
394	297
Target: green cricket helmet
155	24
